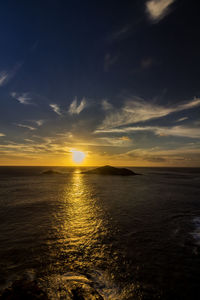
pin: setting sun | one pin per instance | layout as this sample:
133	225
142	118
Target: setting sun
78	156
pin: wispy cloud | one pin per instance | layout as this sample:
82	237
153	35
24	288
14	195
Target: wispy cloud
159	156
138	110
120	33
65	135
182	119
29	140
106	105
197	123
39	122
123	141
146	63
157	9
56	109
34	148
2	134
181	131
3	77
109	61
23	98
26	126
74	108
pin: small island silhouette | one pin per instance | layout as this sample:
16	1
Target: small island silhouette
109	170
50	172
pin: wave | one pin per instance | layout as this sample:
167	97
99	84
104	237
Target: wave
196	233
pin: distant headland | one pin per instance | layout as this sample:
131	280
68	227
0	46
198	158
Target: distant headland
51	172
109	170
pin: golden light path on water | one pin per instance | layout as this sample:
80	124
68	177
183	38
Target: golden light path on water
81	232
84	253
84	223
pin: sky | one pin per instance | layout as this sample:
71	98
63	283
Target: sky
117	80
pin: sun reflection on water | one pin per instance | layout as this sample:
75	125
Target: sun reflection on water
83	225
82	236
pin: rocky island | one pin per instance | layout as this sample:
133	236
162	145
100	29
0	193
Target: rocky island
50	172
108	170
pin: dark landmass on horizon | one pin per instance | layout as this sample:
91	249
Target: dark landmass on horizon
108	170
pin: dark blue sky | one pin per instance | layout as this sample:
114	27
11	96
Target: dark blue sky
112	78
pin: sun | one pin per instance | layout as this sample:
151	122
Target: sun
78	156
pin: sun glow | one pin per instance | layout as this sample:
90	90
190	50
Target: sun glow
78	156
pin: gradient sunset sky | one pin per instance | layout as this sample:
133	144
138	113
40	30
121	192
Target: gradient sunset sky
118	80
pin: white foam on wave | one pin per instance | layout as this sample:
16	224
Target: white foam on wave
102	281
196	233
60	286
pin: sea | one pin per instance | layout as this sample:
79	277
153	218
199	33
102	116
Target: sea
86	236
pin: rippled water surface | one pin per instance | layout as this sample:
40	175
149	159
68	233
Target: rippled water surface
124	237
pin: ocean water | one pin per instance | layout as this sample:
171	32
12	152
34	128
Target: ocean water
123	237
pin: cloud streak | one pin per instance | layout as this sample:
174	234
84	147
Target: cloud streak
23	98
159	156
182	119
39	122
137	110
75	109
146	63
3	77
120	34
26	126
158	9
114	141
2	134
106	105
56	108
181	131
109	61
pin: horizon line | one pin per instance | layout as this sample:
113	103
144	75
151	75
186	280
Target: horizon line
74	166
